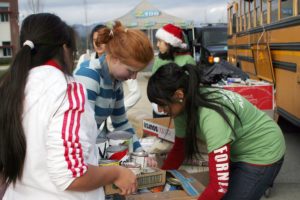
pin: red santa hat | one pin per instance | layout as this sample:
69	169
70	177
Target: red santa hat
172	35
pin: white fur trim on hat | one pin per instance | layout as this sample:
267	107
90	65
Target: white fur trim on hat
170	38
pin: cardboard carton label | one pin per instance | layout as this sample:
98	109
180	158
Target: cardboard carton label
160	127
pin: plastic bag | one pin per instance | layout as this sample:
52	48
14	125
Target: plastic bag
223	70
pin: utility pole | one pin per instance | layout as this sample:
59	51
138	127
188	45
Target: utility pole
86	26
205	16
35	6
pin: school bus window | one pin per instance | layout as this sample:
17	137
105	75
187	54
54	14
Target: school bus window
258	12
247	24
241	9
237	23
287	8
298	7
274	10
230	20
233	23
264	8
252	17
242	23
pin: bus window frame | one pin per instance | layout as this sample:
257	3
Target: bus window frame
247	15
236	13
258	7
280	11
271	11
296	7
252	14
230	19
242	16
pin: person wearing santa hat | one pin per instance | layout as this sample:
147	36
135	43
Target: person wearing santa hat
171	46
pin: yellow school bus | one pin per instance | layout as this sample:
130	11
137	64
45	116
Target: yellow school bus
264	41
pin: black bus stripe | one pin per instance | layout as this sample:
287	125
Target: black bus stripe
276	64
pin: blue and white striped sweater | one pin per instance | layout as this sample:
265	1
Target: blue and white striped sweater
105	95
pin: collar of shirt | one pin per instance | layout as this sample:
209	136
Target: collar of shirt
53	63
104	72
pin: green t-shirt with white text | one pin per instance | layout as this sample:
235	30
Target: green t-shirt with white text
259	140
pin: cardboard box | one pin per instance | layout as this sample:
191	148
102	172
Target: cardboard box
262	96
190	182
171	195
156	178
160	127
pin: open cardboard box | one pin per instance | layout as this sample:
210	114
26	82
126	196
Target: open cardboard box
171	195
147	180
193	185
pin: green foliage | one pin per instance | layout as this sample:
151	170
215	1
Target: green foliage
5	61
2	72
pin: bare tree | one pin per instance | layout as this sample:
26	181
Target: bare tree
35	6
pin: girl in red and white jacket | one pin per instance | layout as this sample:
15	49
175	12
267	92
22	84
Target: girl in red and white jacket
47	128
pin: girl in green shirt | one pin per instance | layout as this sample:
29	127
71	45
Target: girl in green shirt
245	146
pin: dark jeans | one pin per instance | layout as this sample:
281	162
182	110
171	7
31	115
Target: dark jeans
249	182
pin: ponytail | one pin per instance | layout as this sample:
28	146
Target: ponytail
191	107
13	142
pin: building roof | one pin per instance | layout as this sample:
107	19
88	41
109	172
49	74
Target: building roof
146	16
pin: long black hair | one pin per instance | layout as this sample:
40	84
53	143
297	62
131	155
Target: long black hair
169	78
48	33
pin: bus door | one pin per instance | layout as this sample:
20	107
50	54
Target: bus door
263	62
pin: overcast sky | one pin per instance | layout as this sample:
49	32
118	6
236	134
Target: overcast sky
72	11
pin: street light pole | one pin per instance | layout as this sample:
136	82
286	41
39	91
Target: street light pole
86	26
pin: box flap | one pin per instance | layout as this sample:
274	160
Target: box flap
171	195
190	185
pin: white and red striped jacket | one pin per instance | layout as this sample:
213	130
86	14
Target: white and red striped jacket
60	134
